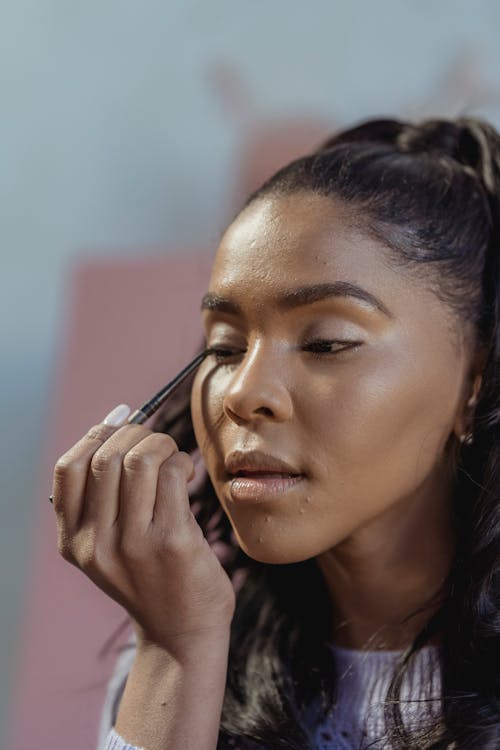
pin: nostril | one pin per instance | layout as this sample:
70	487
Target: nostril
240	419
264	410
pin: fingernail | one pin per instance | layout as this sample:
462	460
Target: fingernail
118	415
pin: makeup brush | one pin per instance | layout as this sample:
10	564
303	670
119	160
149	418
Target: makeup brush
150	407
146	410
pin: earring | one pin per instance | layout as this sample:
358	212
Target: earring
467	438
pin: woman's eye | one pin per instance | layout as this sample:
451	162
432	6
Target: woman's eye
329	346
222	353
317	348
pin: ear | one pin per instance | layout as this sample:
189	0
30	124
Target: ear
476	387
472	386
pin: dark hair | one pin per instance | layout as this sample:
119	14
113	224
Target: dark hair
430	192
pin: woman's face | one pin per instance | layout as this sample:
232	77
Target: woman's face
363	420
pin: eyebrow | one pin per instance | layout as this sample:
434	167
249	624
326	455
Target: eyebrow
303	295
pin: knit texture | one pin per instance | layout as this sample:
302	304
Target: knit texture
115	742
357	720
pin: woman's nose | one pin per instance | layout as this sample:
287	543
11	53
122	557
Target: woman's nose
258	389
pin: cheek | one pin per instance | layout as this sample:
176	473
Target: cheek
380	432
206	413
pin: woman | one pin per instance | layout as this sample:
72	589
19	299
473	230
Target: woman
349	426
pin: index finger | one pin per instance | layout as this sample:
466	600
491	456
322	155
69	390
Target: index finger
78	455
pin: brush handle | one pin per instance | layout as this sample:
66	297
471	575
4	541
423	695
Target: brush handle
140	415
150	407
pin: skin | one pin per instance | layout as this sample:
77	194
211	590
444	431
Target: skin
371	426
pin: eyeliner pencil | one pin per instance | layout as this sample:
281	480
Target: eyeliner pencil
146	410
150	407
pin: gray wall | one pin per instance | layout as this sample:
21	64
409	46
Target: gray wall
114	141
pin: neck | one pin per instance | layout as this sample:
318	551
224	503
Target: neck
386	580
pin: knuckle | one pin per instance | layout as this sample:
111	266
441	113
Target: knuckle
178	464
185	458
89	555
94	558
65	547
130	548
67	464
86	560
84	550
102	461
62	465
167	440
137	461
178	542
100	432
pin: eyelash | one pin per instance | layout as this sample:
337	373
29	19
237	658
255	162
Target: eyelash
221	355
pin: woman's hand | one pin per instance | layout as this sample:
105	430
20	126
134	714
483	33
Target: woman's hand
123	518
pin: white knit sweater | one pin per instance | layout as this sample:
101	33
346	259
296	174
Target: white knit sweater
357	720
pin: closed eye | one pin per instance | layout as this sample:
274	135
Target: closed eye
317	348
325	346
221	354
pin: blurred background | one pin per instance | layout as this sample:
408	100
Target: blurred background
129	134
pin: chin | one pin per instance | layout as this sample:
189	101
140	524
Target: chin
265	549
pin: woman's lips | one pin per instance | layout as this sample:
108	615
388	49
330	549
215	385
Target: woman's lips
259	486
256	476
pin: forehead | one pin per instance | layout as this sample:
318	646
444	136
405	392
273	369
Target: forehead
281	241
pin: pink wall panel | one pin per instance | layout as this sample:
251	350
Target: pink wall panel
130	326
